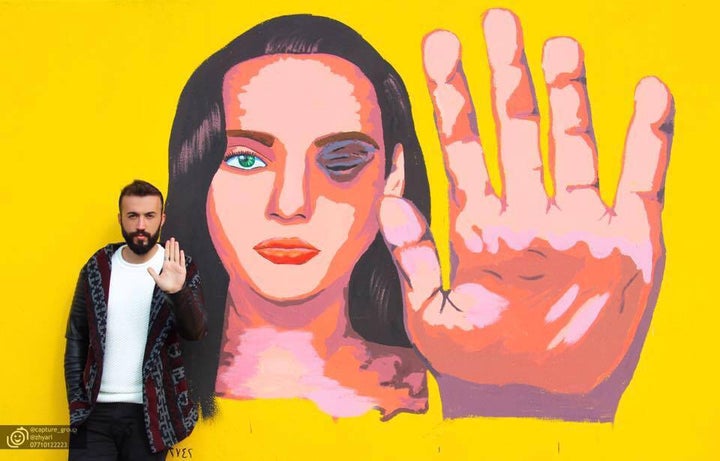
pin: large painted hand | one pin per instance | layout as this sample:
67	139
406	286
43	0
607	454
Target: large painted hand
172	275
545	292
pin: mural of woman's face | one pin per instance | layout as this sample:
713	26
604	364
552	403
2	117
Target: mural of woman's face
293	204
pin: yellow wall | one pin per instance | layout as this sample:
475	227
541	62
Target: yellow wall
87	95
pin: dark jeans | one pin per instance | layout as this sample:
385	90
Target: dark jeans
113	432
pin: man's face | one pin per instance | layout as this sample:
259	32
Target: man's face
140	221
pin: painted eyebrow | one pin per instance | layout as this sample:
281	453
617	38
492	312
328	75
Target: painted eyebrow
263	138
346	136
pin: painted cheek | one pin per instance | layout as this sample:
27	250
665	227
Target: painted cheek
236	210
345	233
334	220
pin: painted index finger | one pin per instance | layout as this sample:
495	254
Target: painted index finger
455	118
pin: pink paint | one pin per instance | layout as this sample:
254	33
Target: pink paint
440	50
416	381
581	322
482	307
472	238
601	236
468	173
449	318
420	263
639	251
563	304
400	222
652	100
268	363
478	308
561	53
450	103
517	237
292	195
502	27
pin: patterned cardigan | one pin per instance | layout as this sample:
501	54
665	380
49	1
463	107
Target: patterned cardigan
170	415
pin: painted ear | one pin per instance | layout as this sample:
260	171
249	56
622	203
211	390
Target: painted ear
395	183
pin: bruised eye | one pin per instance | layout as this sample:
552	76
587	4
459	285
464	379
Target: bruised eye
343	160
343	163
244	161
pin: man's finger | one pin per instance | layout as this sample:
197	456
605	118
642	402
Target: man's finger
405	232
175	250
455	119
647	151
170	250
515	109
573	154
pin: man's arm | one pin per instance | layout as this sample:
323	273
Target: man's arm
189	306
180	281
77	341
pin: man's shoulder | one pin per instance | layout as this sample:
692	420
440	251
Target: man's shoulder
104	253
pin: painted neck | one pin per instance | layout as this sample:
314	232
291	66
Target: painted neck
323	315
309	350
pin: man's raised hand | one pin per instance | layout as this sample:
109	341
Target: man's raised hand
172	276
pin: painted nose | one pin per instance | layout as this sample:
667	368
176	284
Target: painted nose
291	199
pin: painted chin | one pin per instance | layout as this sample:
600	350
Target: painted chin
291	251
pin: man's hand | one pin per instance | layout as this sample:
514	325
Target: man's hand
172	275
546	292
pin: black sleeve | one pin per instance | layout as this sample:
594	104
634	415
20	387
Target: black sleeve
188	304
77	341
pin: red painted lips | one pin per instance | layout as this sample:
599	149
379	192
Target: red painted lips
286	251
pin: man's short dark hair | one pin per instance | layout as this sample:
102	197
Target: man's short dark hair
140	188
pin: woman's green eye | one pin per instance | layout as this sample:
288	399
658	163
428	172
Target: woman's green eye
245	161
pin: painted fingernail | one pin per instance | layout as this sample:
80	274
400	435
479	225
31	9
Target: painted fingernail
562	56
502	31
441	50
651	99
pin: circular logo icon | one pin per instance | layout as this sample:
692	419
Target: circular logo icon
17	437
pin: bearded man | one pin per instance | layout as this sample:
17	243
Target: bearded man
124	374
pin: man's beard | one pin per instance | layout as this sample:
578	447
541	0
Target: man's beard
141	247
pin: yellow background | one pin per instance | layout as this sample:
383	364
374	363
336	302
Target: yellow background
87	95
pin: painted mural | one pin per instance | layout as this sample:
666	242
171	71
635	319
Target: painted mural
435	231
298	183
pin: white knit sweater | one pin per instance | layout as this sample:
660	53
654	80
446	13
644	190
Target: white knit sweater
131	289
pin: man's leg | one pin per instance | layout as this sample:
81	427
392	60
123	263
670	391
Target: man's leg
133	443
95	439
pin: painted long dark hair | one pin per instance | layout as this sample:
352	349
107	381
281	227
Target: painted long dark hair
197	146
